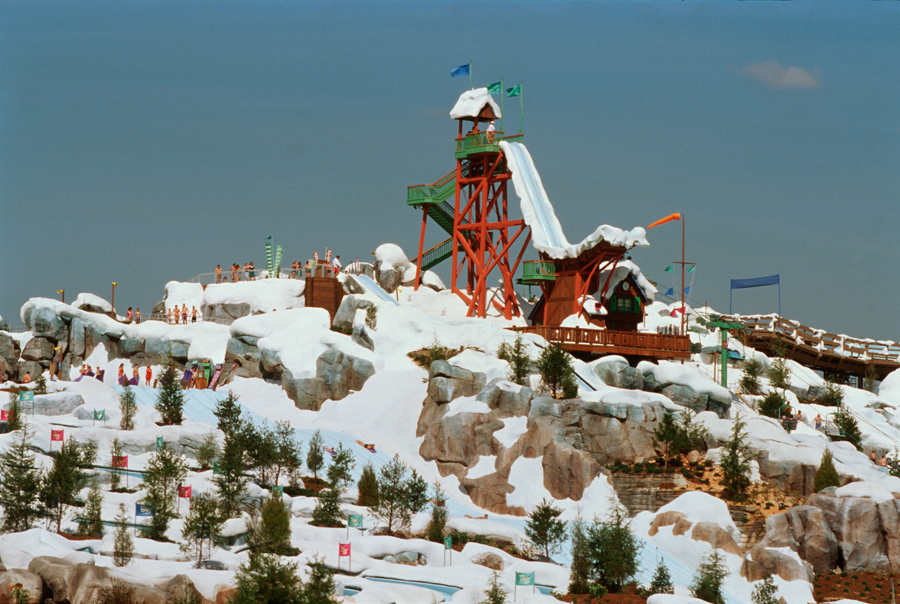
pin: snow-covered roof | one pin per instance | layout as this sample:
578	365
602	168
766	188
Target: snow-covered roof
471	102
623	269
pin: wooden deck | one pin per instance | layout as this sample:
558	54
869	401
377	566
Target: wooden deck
626	343
818	349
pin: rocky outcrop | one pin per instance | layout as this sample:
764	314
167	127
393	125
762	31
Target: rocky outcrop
804	530
57	403
346	312
620	374
226	313
82	583
762	562
29	581
489	560
573	438
867	531
9	355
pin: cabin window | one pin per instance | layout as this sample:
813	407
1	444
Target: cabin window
623	304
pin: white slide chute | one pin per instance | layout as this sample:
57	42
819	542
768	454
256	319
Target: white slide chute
546	233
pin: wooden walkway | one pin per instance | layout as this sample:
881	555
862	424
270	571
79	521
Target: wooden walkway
626	343
817	348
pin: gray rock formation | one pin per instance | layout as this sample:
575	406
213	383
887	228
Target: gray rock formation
81	583
30	582
9	355
38	349
620	374
225	313
763	561
804	530
388	278
56	403
361	336
342	372
44	323
346	312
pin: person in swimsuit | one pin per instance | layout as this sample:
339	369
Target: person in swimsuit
194	314
149	375
184	313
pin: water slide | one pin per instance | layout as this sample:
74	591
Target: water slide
546	233
368	283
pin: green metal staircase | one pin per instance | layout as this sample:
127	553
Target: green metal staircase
435	196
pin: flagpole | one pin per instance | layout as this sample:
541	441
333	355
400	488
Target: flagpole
521	105
470	75
683	310
502	112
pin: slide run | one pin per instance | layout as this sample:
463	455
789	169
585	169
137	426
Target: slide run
199	406
368	283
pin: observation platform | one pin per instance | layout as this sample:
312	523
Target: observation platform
601	342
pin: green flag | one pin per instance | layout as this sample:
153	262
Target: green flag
670	268
514	91
100	415
159	442
216	469
354	520
691	268
448	542
277	490
525	578
26	396
495	88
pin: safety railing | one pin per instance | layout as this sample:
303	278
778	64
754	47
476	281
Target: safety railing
604	338
538	270
423	193
482	141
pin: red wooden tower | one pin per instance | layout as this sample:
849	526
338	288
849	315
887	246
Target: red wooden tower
482	235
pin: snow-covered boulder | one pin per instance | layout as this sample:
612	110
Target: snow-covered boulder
29	581
57	403
615	371
82	583
92	303
391	265
345	316
803	530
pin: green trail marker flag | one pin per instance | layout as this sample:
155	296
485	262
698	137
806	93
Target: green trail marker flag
496	88
448	542
670	268
216	469
355	520
523	579
448	547
159	442
514	91
100	415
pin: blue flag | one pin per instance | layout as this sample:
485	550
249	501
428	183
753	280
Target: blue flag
143	509
687	289
670	291
462	70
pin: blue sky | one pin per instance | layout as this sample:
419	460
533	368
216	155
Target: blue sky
143	142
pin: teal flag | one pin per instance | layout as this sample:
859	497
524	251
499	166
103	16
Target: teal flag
514	91
100	415
354	520
670	268
143	509
691	268
159	442
216	469
525	578
26	396
277	490
448	542
495	88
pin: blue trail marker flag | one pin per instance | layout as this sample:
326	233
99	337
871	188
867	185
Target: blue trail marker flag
143	509
458	72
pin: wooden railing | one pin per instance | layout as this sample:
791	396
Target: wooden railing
821	340
627	342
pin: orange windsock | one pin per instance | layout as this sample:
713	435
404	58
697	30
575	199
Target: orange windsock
668	218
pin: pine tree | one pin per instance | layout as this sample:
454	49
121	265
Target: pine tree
228	412
690	436
707	584
202	531
569	384
779	374
832	395
118	592
115	477
328	508
367	487
764	592
16	419
170	399
40	384
665	434
262	450
319	587
544	528
849	429
662	580
20	484
207	452
341	465
123	550
614	549
826	475
495	593
63	482
164	473
435	531
870	378
315	457
735	463
753	369
399	497
264	578
553	365
90	521
231	484
580	568
287	450
771	404
518	359
128	408
271	530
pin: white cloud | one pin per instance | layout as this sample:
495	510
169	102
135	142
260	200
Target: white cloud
778	76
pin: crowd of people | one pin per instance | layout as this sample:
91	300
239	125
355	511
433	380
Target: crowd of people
299	270
239	273
176	316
